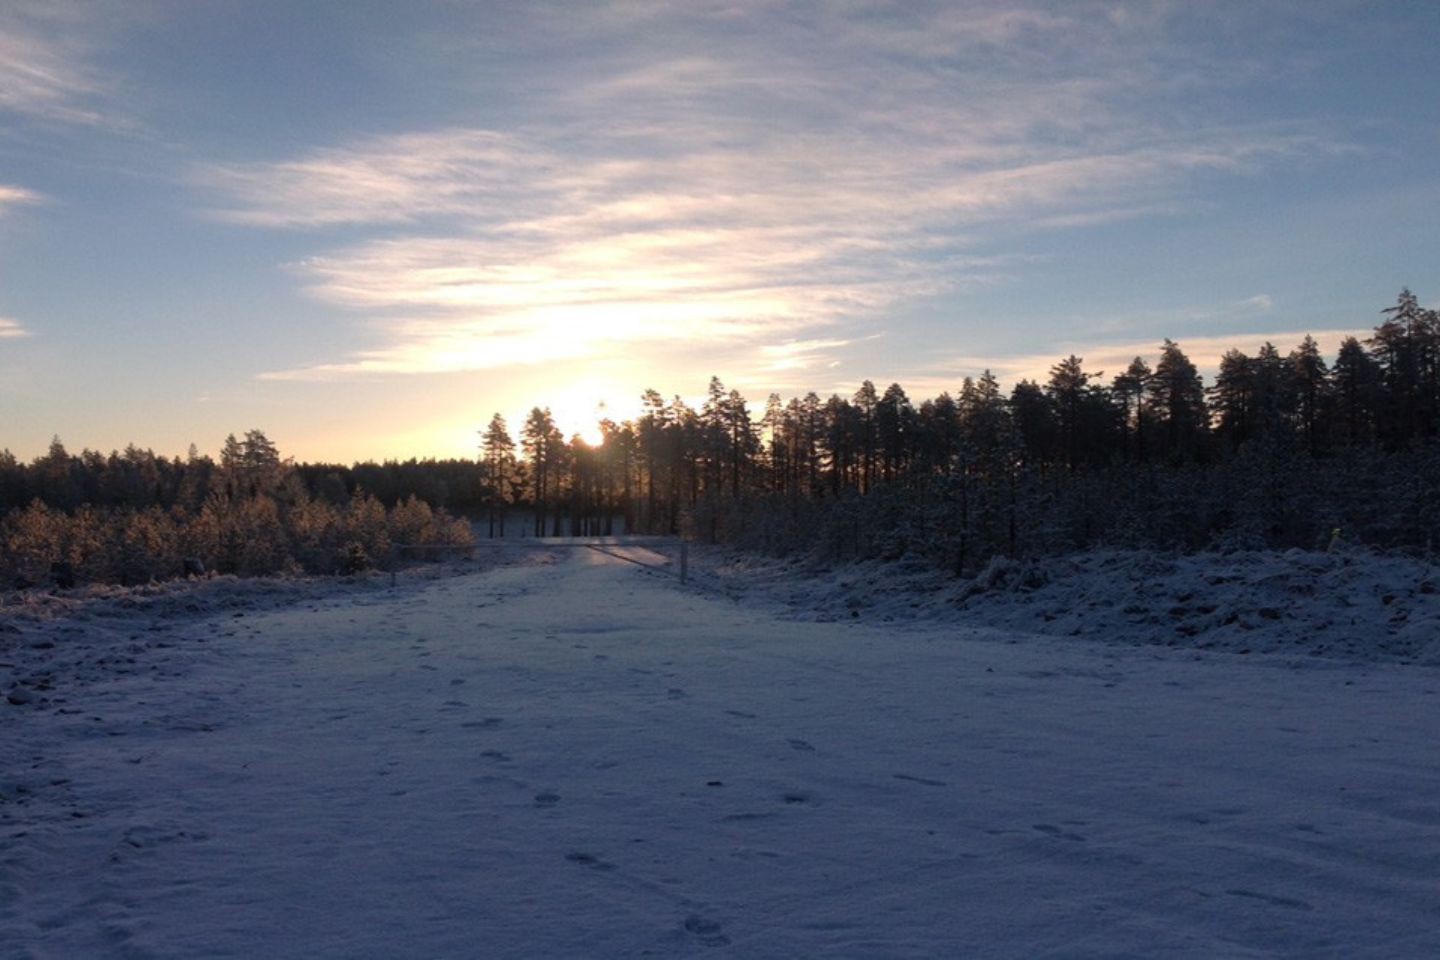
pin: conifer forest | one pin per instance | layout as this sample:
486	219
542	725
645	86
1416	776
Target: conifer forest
1283	449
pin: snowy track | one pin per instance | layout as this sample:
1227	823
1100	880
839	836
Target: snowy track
583	760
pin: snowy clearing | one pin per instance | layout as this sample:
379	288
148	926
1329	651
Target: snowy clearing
572	757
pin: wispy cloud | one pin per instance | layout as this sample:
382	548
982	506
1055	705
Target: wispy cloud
44	69
11	329
767	178
800	354
11	196
1178	320
387	180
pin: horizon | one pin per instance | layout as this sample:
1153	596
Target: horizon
366	232
587	430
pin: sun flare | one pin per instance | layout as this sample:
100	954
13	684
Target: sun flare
579	408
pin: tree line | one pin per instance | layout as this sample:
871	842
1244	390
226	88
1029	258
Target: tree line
133	517
1284	449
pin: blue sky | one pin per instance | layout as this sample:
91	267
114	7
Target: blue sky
364	227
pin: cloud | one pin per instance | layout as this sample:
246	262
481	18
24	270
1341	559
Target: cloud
744	180
11	329
44	71
11	196
385	180
795	355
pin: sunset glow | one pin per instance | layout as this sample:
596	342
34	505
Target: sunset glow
402	224
719	478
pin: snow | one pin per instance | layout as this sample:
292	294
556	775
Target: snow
562	754
1357	606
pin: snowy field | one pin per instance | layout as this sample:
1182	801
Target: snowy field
570	756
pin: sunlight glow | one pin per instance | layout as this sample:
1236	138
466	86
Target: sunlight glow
578	409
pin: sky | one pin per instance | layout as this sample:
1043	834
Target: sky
363	227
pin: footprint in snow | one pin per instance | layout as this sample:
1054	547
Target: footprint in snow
1271	899
708	931
914	779
746	817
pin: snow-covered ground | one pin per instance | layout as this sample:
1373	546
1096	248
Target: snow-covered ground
573	757
1353	605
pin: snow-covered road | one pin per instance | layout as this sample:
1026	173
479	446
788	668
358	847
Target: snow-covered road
584	760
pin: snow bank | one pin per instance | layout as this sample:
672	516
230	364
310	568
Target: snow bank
1350	605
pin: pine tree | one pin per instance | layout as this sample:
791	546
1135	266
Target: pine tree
1357	387
894	429
864	403
1035	421
1233	398
1312	380
539	442
1177	400
1401	348
1067	391
497	463
1129	389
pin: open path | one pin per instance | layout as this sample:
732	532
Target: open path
584	760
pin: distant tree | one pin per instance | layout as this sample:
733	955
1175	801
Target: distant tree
1357	393
1067	389
1311	379
55	477
1406	346
1129	389
1176	398
366	533
35	539
541	441
863	426
894	431
1035	420
1233	398
941	425
497	463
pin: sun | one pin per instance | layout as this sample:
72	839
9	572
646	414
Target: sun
591	435
578	411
